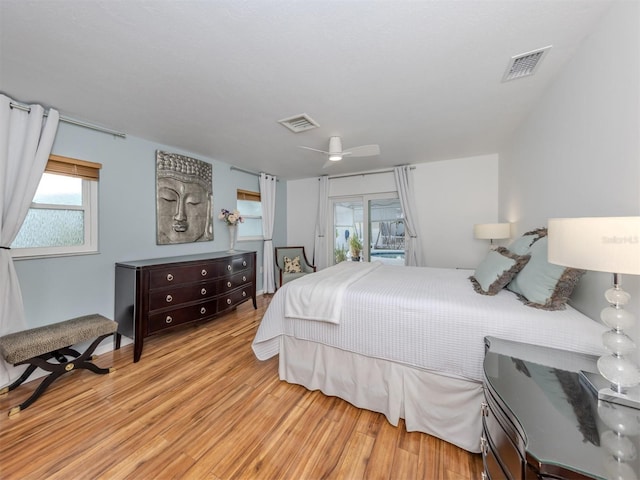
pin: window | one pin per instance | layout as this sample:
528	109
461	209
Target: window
249	205
63	217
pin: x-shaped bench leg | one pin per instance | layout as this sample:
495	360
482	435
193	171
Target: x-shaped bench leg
78	361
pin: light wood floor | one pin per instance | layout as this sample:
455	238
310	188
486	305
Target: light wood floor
199	405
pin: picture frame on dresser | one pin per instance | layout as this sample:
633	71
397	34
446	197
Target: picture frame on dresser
155	295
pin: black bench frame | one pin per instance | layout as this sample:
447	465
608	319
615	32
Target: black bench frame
58	368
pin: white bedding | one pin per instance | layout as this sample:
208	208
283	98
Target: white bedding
319	296
427	318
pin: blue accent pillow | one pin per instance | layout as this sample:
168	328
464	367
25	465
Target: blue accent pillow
521	245
497	270
543	285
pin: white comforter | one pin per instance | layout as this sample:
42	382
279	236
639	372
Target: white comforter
428	318
319	296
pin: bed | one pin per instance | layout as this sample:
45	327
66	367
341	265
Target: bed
407	342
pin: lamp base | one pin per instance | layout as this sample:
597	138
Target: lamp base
602	388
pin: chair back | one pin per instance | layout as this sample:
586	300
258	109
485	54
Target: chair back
290	252
283	277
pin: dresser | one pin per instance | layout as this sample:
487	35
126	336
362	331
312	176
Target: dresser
541	421
155	295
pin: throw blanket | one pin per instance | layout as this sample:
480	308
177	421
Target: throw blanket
319	296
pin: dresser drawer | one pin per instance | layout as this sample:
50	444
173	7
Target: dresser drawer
169	297
177	316
493	470
234	281
235	297
502	441
169	276
237	264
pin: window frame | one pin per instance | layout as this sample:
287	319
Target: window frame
89	172
250	196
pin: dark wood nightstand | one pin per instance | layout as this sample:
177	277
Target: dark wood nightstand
541	422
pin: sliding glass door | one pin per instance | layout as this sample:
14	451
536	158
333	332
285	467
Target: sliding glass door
368	228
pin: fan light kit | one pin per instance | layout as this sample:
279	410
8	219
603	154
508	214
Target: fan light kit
336	153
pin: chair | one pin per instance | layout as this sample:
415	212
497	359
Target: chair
283	276
398	234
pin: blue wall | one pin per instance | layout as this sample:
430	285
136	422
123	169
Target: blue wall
55	289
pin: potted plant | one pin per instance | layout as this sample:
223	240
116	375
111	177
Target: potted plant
355	245
340	254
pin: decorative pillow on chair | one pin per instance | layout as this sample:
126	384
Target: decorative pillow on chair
544	285
292	265
497	270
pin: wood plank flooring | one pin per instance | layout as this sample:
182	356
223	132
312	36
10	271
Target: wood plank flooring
199	405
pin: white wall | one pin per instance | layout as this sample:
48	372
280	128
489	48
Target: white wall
302	206
578	152
55	289
451	196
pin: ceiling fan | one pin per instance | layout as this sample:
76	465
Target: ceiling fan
336	153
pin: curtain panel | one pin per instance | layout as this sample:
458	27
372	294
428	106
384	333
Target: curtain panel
320	246
268	186
413	246
26	139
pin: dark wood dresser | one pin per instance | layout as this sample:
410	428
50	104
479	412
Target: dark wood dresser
154	295
541	421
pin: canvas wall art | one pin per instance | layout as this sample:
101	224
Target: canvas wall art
184	198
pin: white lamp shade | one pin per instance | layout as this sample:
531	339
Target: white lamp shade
602	244
492	231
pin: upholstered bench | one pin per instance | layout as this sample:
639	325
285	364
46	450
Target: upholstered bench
38	346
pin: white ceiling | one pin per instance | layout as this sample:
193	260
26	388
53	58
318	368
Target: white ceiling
420	78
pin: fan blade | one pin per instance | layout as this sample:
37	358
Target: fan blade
363	151
314	149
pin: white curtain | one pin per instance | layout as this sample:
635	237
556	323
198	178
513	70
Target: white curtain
320	256
268	199
412	246
26	139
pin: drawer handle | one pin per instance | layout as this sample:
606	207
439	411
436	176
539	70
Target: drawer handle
484	409
168	319
228	301
203	291
229	284
484	446
169	277
244	279
203	310
244	263
229	267
169	299
244	294
203	272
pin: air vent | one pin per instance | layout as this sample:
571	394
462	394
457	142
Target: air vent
299	123
524	64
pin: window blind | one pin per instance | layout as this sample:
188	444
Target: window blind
73	167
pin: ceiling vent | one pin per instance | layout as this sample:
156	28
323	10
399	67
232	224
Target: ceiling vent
299	123
524	64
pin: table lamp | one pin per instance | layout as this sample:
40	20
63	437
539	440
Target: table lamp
492	231
605	244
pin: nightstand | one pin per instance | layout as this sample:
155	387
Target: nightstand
540	421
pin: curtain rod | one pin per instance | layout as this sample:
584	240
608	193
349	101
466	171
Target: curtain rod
363	173
250	172
65	119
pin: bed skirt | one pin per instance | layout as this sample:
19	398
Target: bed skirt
443	406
